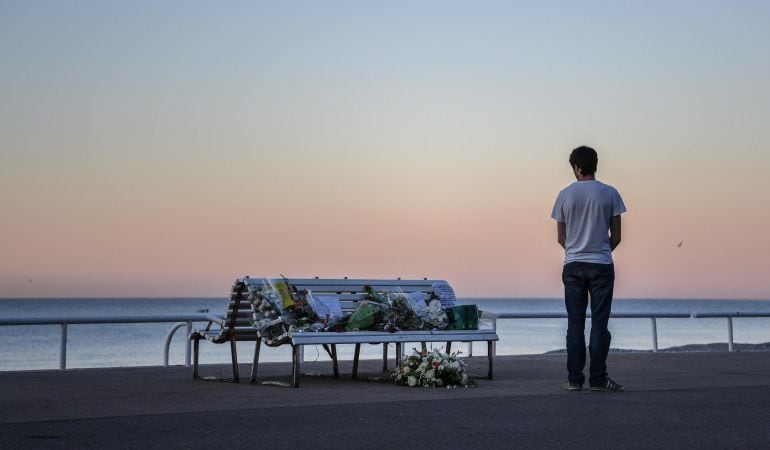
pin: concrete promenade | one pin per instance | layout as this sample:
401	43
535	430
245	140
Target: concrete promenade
673	400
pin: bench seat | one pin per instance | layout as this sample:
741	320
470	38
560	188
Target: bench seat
384	337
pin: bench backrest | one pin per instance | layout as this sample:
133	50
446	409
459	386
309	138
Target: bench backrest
349	291
238	318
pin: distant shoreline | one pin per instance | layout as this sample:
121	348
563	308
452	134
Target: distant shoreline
713	347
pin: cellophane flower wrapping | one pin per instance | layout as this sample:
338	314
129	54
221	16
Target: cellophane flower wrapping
267	309
435	316
401	313
432	369
366	315
301	314
278	308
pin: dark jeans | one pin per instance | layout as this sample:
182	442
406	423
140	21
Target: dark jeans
580	280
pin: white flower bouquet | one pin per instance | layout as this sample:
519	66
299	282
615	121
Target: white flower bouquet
432	369
267	312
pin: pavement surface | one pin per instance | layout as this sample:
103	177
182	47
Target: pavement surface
672	400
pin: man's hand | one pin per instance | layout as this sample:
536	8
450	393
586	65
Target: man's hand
561	233
614	232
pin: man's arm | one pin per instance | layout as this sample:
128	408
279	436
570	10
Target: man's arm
561	233
614	232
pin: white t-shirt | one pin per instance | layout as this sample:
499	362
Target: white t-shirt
586	207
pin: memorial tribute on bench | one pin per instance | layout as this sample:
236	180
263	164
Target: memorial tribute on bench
330	312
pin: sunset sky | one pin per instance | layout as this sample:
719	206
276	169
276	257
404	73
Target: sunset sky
167	148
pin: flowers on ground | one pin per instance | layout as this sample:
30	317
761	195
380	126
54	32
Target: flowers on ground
431	369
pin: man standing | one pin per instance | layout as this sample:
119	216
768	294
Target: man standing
587	215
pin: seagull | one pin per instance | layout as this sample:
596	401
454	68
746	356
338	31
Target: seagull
679	245
29	280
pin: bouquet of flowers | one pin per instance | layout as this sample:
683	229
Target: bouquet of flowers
366	316
279	308
431	369
399	311
384	311
402	315
267	312
435	316
300	314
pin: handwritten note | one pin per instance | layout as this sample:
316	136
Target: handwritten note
445	294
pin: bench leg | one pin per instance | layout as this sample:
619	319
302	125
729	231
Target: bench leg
355	360
331	349
449	347
334	359
385	358
255	362
424	347
490	356
399	351
234	355
196	349
295	360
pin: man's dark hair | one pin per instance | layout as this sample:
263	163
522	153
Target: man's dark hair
585	158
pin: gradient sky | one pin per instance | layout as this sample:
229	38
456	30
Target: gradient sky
166	148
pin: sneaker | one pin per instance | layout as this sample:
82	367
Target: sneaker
608	386
570	386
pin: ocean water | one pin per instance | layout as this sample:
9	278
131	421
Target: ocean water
115	345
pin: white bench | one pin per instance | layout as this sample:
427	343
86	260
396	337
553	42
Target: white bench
237	325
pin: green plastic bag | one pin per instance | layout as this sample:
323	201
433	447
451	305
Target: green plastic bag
364	317
464	317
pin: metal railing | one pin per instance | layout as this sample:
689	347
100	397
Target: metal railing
64	322
653	320
188	319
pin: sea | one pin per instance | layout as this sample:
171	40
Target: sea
36	347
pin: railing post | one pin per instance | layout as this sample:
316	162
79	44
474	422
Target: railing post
729	334
654	334
188	345
494	343
63	347
167	343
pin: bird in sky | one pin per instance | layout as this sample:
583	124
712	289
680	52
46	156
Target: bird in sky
679	245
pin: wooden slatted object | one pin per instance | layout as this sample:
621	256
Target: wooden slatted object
237	324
